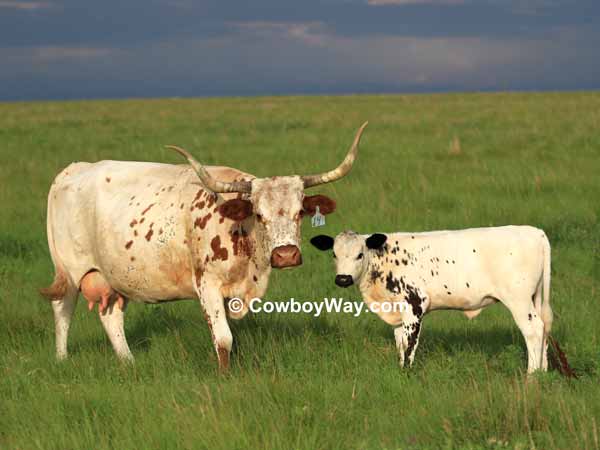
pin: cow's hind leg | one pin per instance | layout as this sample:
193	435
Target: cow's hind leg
63	313
532	328
112	321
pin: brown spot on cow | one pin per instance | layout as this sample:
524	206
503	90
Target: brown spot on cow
148	208
181	206
128	245
241	243
149	234
254	278
132	197
198	272
143	219
108	179
218	251
200	222
211	199
281	212
133	223
135	233
160	231
132	259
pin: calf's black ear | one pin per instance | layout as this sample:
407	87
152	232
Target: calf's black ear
322	242
376	240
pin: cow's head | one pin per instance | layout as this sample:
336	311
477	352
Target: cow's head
277	204
351	253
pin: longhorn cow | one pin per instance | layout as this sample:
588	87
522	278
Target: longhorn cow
154	232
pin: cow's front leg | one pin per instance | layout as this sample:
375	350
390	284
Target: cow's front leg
214	309
407	341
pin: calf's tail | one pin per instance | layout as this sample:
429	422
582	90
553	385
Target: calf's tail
558	358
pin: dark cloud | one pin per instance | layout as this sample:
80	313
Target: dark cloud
74	49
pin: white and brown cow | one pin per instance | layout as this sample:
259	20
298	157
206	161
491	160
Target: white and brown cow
463	270
159	232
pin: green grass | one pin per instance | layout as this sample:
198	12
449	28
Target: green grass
297	381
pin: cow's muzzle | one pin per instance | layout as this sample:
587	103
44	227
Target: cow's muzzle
286	256
344	280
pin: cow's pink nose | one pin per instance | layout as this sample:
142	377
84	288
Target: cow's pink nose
286	256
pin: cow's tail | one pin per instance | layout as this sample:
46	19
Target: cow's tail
58	289
546	310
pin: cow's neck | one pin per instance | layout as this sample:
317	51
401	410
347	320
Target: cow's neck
261	255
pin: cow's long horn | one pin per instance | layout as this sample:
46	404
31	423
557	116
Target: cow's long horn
210	182
339	171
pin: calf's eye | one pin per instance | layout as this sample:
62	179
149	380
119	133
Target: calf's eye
360	256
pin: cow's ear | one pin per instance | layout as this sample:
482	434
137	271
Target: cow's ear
376	241
236	209
325	204
322	242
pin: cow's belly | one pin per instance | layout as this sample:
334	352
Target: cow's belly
151	281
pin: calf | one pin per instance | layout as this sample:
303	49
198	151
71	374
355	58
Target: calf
463	270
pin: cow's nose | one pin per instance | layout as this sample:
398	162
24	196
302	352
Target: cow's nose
286	256
344	280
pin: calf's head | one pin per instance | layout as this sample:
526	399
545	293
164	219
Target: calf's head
351	253
277	204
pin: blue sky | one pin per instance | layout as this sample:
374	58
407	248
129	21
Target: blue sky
64	49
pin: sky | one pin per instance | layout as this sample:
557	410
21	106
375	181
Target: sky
77	49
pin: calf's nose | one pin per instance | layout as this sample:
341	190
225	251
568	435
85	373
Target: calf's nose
344	280
286	256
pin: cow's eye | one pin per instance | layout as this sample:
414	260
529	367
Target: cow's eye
360	256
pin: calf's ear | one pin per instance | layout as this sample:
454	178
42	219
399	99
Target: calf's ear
322	242
236	209
376	241
325	204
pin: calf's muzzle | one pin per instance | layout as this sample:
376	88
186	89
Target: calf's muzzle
344	280
286	256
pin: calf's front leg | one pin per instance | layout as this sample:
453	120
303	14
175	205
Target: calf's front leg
407	341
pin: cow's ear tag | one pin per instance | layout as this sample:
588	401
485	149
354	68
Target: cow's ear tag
318	220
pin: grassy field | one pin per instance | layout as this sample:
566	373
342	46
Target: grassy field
296	381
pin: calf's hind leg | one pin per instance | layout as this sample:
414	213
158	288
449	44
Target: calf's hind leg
532	328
